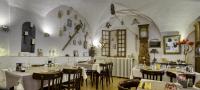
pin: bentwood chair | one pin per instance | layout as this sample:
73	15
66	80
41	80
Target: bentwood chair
110	69
128	84
73	79
171	75
153	75
104	74
49	81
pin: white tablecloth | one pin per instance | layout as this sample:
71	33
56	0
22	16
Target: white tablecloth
88	66
135	72
159	85
25	80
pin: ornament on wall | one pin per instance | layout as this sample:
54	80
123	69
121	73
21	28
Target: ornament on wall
122	22
85	41
39	52
64	28
68	12
74	42
112	9
77	28
83	30
69	22
60	14
135	21
79	42
70	36
61	32
75	53
108	25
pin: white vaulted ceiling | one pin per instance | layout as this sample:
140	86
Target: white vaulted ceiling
169	15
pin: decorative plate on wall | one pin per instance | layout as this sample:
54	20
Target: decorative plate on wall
69	22
74	42
68	12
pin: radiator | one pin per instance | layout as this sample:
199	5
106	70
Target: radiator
121	66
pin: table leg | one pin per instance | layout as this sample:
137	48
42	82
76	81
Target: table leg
97	80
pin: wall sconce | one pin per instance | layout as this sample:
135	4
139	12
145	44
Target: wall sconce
4	28
46	35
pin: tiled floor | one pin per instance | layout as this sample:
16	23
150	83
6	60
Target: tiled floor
112	86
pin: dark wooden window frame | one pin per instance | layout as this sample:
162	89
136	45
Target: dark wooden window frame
121	43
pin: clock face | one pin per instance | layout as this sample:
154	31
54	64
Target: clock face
143	33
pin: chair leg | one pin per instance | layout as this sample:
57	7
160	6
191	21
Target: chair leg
12	88
102	81
86	82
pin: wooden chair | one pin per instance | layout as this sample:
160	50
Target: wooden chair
91	74
54	80
191	76
188	76
153	75
73	79
110	69
128	84
171	75
104	74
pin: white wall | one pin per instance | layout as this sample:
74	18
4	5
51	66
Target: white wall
4	20
49	24
132	31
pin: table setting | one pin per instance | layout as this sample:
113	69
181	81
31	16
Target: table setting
186	83
146	84
22	79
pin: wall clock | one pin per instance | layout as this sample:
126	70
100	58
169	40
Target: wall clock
143	31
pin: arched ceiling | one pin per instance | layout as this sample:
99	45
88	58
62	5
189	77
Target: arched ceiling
169	15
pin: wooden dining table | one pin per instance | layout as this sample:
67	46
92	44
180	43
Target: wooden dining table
159	85
25	80
94	67
135	72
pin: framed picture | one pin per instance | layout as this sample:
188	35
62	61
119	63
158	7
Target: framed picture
170	44
154	43
69	22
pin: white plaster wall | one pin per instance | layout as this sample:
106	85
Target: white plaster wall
19	16
132	31
4	20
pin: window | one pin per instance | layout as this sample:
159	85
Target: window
114	43
106	43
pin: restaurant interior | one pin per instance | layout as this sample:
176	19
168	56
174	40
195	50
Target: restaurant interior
99	45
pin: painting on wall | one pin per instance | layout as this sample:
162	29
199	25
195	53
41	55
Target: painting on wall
154	43
170	44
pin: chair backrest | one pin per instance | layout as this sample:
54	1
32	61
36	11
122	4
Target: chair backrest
110	66
73	77
104	66
153	75
54	80
122	88
171	75
190	76
128	84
